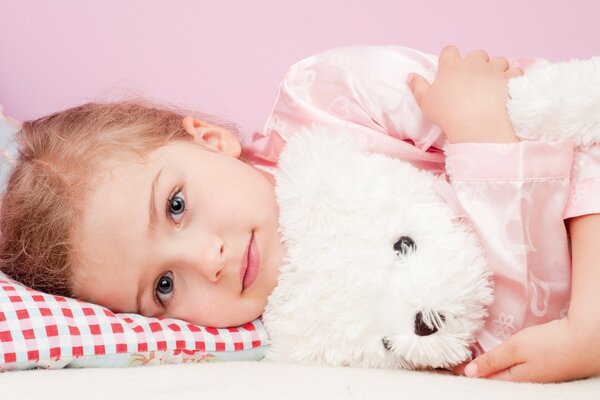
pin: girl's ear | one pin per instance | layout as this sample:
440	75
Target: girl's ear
213	137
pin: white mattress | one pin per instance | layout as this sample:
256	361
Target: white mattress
262	380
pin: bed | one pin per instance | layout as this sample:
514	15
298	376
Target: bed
228	380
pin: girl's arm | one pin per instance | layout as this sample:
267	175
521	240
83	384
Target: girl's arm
559	350
583	312
564	349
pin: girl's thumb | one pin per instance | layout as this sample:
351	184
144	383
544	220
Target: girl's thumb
418	86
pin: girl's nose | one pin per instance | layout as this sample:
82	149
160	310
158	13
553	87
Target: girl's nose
198	251
211	264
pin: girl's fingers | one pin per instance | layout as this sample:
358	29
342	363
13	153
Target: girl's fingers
513	72
479	55
499	358
499	63
418	86
448	55
516	373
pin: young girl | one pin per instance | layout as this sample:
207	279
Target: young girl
144	210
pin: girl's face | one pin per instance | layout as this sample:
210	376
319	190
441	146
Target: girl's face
170	237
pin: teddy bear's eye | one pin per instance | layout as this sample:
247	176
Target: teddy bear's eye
404	244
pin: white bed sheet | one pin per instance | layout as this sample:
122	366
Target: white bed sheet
263	380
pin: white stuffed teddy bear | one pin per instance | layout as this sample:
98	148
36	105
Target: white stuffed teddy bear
379	271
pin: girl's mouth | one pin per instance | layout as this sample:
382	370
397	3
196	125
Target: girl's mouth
250	264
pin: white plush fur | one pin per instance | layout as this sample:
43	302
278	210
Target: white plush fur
557	102
343	289
345	297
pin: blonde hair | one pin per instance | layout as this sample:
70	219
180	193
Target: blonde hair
58	156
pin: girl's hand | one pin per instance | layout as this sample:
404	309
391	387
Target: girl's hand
467	98
552	352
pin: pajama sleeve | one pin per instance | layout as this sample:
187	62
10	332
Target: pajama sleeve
361	91
514	196
585	183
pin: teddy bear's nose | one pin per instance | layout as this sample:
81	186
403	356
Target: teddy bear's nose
422	329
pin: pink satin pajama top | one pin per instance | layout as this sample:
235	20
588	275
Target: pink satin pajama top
514	195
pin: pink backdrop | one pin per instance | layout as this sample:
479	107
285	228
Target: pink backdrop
227	57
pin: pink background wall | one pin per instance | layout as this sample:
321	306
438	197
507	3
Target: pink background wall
227	57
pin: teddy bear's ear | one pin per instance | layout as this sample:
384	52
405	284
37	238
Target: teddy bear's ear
558	101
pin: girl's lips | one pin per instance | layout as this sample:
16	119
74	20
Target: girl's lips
250	264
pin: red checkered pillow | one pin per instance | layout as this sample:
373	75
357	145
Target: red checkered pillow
40	330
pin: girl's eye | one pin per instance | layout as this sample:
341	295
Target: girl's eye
176	206
164	288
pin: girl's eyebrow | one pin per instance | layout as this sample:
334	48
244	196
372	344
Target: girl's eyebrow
152	209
